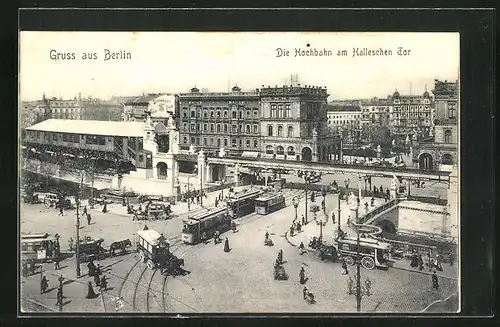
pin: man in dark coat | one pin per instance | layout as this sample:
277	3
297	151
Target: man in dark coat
105	207
89	218
85	210
56	263
90	293
280	256
226	246
59	296
44	284
435	284
302	275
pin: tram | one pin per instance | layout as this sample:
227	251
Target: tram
205	224
154	249
38	247
373	253
268	203
243	203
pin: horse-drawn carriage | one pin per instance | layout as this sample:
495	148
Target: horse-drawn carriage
90	249
121	246
152	211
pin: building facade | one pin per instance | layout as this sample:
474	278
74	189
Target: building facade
213	121
161	106
294	124
443	149
411	114
78	109
344	120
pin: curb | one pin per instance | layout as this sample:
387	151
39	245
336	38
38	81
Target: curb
439	301
40	304
424	272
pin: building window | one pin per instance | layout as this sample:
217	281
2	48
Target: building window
270	130
225	142
218	113
452	111
205	141
205	113
235	128
193	127
290	131
287	111
225	128
241	143
255	114
192	140
234	114
248	113
218	128
225	113
211	127
193	113
241	115
447	136
280	150
255	129
280	111
240	128
197	127
211	141
205	127
291	151
269	149
234	142
198	113
280	131
255	143
141	157
197	141
211	114
218	142
248	143
185	139
185	127
248	129
273	110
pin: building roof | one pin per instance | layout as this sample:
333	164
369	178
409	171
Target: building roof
90	127
333	108
152	236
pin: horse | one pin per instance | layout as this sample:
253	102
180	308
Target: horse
120	245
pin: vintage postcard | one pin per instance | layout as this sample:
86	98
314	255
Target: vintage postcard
239	172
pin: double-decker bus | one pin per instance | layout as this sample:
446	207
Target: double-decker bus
205	223
373	253
268	203
243	203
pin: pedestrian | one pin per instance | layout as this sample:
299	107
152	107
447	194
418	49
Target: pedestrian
44	284
105	207
216	202
350	285
381	189
388	194
291	230
25	269
303	219
89	218
366	207
97	280
451	258
349	220
267	235
145	227
358	200
280	256
233	226
333	218
302	275
368	286
435	284
344	268
90	293
61	211
302	248
85	210
420	263
226	246
59	296
372	202
56	263
192	200
104	284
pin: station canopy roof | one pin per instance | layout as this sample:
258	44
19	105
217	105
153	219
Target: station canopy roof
90	127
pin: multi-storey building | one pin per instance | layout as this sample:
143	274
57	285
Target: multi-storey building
376	111
294	124
79	109
411	114
160	105
212	121
344	120
443	150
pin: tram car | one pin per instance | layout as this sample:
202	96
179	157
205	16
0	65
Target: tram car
154	250
38	247
243	203
205	224
268	203
373	253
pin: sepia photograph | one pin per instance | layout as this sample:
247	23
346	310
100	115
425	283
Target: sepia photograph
170	173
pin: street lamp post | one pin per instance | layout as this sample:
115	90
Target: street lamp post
360	291
306	179
78	270
92	189
60	297
295	205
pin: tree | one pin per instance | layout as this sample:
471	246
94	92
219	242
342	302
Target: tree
382	137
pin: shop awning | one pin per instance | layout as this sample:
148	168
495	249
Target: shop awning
250	154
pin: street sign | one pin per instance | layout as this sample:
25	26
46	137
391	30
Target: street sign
41	254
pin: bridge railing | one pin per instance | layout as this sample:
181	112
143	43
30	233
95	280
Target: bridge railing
313	165
375	212
428	199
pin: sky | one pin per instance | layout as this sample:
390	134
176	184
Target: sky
174	62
